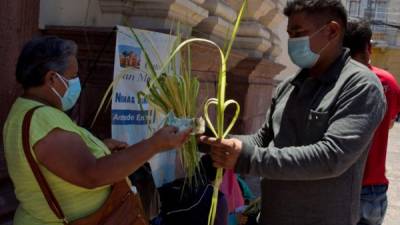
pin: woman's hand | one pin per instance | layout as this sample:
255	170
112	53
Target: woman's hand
168	138
115	145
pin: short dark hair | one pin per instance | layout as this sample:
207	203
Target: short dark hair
329	9
39	56
358	36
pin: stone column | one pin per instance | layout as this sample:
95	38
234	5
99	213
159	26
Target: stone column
159	15
271	21
252	82
252	37
276	50
219	22
274	17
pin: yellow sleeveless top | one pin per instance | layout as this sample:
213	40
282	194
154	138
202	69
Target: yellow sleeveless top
75	201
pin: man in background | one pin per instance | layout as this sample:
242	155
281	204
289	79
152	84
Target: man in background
375	183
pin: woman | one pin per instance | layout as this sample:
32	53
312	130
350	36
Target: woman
78	167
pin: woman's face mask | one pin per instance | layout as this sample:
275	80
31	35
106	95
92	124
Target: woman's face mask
300	52
72	93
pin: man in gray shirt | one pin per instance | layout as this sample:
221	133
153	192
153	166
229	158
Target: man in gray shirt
312	148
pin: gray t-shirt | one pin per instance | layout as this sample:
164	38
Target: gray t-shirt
312	151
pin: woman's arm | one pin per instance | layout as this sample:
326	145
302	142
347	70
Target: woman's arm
115	145
66	155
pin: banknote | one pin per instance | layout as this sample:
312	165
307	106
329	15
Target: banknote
197	125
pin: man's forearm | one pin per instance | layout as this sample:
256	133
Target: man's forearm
318	161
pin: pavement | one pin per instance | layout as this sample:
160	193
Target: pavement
393	173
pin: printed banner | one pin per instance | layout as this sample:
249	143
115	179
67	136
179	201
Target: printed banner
129	122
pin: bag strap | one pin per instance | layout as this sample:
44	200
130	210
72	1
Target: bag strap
44	186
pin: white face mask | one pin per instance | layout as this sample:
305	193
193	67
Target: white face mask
300	52
72	93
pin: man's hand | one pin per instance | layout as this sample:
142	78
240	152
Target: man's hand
224	153
115	145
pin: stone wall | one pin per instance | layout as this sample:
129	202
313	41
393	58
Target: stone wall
15	31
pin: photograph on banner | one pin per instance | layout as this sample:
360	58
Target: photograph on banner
132	122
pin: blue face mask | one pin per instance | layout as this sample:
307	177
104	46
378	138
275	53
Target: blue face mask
300	51
72	93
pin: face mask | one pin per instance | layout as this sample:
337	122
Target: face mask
72	93
300	51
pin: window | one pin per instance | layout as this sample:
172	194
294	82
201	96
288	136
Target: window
374	9
354	8
381	9
380	13
392	36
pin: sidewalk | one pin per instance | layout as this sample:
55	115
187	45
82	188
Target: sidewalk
393	173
